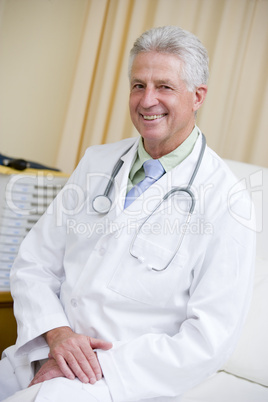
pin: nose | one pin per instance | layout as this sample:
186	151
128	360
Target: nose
149	98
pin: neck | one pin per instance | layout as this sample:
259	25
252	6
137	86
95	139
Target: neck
157	149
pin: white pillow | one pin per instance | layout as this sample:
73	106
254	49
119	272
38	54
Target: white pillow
250	358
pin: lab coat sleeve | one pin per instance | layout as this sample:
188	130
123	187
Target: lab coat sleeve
39	271
157	365
37	275
35	287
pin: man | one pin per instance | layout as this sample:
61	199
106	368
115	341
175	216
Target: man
135	304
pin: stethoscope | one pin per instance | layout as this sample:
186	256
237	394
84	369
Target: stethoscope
102	203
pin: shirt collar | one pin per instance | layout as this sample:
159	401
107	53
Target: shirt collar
168	161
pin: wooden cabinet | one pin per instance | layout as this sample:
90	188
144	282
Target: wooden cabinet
8	325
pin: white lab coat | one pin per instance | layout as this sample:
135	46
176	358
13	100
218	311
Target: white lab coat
171	329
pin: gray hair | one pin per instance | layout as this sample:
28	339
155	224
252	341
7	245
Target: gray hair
177	41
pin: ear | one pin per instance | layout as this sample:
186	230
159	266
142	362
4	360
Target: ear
200	95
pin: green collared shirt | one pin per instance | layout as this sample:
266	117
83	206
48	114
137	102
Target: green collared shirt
168	161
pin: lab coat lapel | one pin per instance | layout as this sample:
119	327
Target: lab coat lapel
139	209
121	181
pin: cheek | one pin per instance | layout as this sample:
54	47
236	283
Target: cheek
133	104
183	109
189	102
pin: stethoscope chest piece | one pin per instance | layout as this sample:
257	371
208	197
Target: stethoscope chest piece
102	204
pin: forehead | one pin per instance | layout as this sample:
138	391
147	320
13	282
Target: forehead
156	65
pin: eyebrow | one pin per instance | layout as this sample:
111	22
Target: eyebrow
134	80
158	82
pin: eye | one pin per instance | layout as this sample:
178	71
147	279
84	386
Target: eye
166	87
137	86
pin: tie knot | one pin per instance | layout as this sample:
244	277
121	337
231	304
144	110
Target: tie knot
153	169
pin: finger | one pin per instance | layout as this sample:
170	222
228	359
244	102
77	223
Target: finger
66	370
95	365
92	356
100	344
47	372
45	377
72	360
86	364
76	364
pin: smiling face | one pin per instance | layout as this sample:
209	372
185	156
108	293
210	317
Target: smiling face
161	107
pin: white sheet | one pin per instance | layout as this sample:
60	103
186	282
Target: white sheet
223	387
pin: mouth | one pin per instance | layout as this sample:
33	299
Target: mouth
153	117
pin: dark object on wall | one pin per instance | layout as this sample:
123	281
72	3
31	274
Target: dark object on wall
22	164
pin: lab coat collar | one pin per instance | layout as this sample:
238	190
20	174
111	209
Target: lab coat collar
121	180
142	207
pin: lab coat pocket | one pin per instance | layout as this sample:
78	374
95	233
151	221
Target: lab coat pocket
141	276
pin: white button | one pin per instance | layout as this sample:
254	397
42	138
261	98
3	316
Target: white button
102	251
74	302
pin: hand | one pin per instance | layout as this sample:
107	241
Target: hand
74	354
49	370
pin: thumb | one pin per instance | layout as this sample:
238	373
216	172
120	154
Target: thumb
100	344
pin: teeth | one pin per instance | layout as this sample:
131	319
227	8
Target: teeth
156	116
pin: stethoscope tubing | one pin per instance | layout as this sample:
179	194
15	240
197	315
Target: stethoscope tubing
172	192
99	199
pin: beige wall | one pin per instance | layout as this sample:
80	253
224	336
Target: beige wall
39	47
63	73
